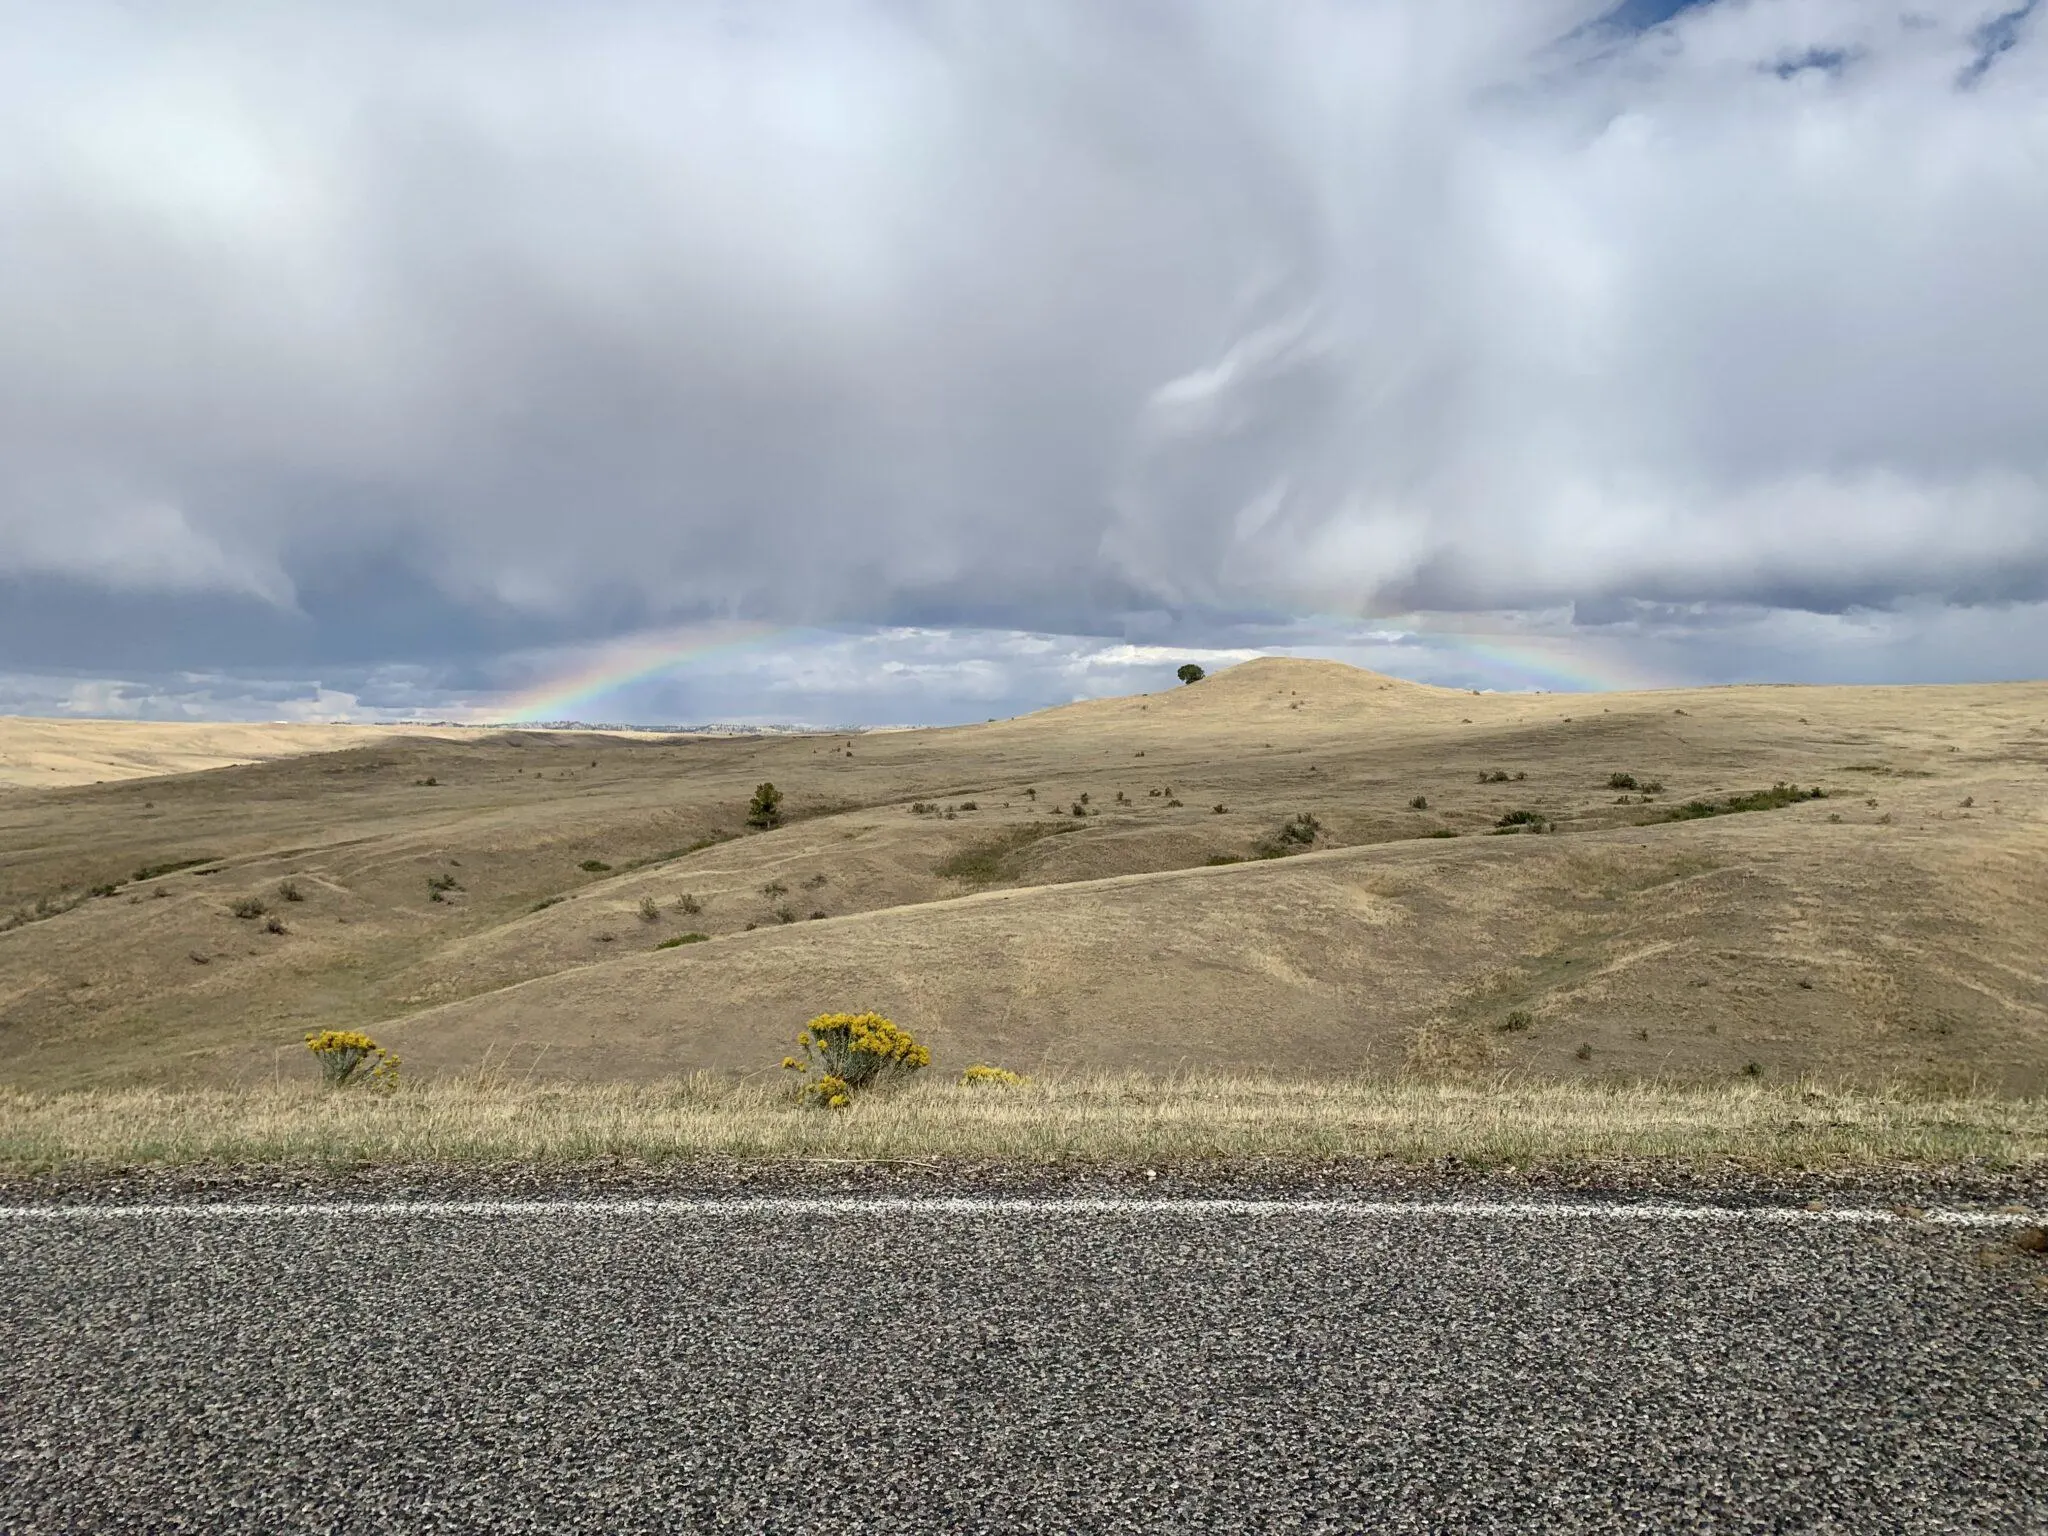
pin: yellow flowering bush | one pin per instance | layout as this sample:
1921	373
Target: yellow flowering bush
980	1076
828	1092
343	1052
853	1051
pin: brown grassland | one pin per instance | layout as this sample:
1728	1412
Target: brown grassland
480	901
1090	1119
58	754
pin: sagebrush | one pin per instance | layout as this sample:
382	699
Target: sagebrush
851	1052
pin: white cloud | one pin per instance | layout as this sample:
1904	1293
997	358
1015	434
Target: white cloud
195	696
1014	318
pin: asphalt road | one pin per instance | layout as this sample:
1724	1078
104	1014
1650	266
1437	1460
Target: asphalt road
921	1367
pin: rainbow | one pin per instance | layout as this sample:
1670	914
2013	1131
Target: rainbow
1553	664
568	696
1512	661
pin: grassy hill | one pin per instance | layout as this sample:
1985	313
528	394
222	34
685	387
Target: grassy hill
58	754
505	898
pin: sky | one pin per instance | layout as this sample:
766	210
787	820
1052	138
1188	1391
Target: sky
890	361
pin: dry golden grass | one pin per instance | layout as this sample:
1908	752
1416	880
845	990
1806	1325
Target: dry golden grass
61	754
1125	1121
484	894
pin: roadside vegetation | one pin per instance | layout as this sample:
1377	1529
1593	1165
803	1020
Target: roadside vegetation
851	1053
1109	1120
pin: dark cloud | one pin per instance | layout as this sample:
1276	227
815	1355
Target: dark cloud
345	336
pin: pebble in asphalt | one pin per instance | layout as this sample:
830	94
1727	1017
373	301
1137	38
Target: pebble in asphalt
971	1371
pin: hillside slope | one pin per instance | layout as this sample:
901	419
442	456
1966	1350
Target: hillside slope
1844	950
502	896
61	754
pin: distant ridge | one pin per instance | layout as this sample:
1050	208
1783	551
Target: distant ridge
714	728
1264	687
1312	671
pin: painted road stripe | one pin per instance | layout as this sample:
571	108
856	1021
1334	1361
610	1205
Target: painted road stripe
968	1206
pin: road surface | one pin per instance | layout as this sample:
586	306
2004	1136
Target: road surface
1063	1365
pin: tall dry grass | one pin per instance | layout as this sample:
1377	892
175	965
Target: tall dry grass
1103	1119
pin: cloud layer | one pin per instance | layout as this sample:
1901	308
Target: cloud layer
360	335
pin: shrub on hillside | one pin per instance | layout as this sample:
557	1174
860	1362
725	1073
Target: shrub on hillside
1303	829
1298	832
765	809
1190	673
1776	797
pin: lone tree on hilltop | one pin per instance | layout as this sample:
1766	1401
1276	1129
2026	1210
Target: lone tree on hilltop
1190	673
765	809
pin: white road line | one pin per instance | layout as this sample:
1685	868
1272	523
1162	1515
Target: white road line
1053	1206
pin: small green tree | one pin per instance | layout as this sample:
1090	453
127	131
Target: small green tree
765	809
1190	673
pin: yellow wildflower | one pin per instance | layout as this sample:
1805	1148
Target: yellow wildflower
979	1076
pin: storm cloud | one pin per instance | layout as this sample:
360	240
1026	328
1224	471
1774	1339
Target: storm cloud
366	336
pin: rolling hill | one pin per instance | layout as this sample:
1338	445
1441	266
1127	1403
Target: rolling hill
515	899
